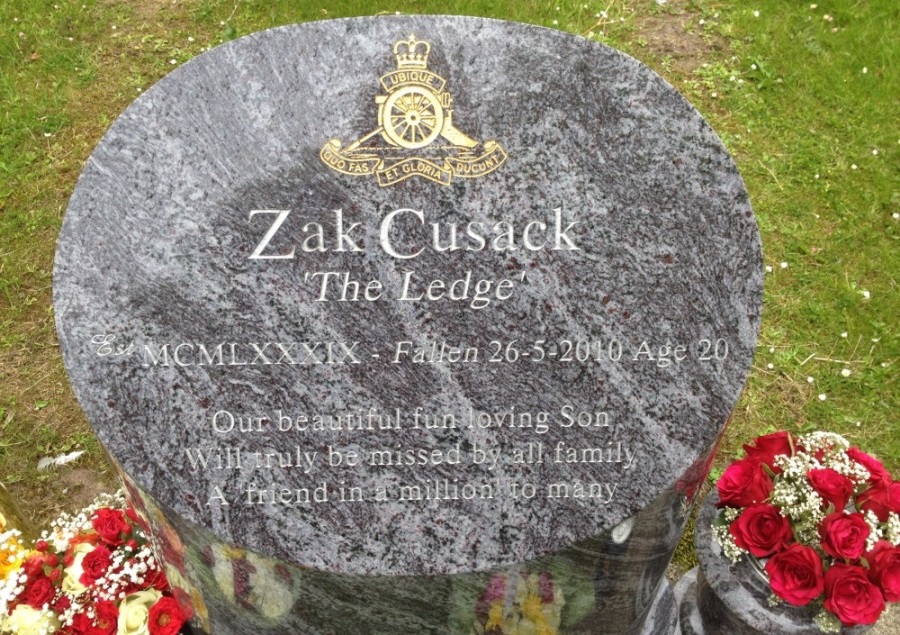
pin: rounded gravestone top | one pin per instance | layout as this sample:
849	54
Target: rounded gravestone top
406	295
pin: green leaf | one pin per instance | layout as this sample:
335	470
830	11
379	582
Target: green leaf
40	404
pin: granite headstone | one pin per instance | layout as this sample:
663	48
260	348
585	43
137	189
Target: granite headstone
411	324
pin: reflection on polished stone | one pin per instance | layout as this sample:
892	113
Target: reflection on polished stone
608	584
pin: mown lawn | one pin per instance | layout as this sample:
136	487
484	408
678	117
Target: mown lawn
804	95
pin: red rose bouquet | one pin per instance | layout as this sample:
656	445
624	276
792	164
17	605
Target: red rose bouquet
824	518
91	574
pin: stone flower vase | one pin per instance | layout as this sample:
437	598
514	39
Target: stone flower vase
721	598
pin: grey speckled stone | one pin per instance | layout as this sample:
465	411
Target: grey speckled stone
720	598
658	248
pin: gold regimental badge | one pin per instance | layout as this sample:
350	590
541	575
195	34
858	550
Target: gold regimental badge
415	135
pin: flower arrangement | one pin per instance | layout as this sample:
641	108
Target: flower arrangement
91	574
823	516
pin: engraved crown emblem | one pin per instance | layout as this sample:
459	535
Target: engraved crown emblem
412	53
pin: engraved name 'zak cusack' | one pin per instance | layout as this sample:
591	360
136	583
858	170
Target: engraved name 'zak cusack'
415	135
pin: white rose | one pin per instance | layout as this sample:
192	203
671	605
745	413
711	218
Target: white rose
134	612
28	621
71	583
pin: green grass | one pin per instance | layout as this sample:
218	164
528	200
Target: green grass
818	148
787	93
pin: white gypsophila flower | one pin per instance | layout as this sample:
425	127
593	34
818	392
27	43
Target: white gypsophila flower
892	529
828	442
795	497
875	533
126	570
726	540
827	622
841	463
6	536
9	590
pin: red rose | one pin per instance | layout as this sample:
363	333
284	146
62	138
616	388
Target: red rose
744	482
95	565
89	538
795	575
110	525
166	617
834	487
158	580
81	624
850	595
881	500
761	530
38	592
844	535
877	474
61	603
884	569
765	448
106	619
137	519
33	565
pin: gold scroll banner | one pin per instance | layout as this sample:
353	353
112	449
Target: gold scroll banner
408	168
465	167
471	168
423	77
334	158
